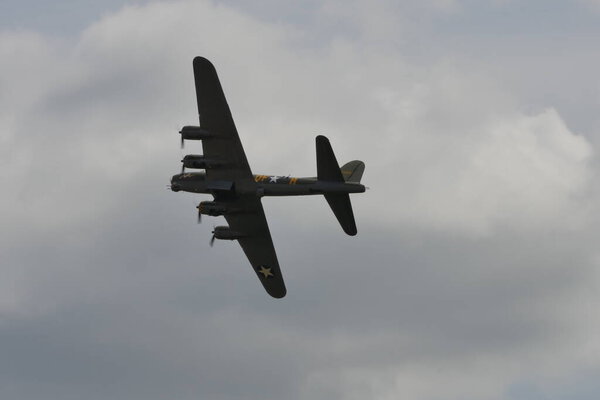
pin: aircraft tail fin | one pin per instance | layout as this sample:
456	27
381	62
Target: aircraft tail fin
353	171
328	170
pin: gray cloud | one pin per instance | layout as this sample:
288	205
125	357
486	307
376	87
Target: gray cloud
474	276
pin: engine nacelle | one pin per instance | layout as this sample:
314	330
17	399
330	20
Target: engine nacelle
212	208
225	233
200	162
195	133
194	182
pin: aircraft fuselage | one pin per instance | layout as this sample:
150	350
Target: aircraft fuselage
263	185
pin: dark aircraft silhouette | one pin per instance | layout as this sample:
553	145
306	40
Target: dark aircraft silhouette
237	192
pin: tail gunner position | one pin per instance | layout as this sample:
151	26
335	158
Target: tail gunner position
237	191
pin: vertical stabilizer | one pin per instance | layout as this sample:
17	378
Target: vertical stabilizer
328	170
353	171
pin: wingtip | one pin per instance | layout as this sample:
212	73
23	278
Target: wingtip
351	231
198	59
201	61
279	294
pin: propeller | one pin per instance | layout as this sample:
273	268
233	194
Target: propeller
182	168
212	239
199	214
182	141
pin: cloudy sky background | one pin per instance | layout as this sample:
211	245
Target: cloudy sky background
476	270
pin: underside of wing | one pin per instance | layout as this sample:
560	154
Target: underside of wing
225	146
257	244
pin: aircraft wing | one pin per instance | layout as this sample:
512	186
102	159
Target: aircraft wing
257	244
216	118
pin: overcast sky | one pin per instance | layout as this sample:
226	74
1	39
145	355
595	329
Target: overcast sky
475	273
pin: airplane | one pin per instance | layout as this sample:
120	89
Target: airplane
237	192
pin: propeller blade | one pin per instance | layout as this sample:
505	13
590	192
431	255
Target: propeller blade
212	239
182	169
182	141
199	213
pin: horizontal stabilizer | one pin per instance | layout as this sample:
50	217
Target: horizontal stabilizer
342	208
327	166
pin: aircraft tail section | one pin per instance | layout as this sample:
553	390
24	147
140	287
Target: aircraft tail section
327	166
328	170
353	171
342	208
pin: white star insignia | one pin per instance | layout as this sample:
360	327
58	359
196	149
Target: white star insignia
266	271
273	179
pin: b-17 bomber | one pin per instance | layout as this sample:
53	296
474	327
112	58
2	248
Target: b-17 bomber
237	192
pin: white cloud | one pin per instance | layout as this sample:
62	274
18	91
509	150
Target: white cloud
457	154
518	171
448	143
